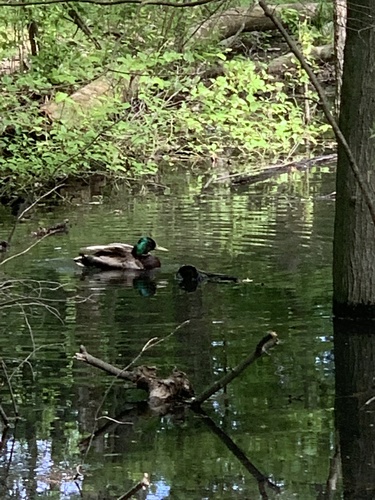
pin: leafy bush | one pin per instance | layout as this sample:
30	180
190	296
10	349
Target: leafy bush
173	109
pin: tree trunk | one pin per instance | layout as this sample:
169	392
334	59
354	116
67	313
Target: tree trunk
339	12
354	236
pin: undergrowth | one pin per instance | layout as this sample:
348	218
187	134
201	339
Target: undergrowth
163	103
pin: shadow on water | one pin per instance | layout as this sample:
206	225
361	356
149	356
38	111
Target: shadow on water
276	238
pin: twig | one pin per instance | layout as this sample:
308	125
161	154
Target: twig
120	422
27	209
145	483
367	195
26	360
267	342
4	417
121	373
38	200
10	389
26	249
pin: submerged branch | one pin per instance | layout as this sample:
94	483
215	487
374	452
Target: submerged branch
239	454
160	390
176	386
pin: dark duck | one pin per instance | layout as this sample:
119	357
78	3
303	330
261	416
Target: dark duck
121	256
190	277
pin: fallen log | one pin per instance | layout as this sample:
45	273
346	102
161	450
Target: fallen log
243	19
70	111
289	61
272	170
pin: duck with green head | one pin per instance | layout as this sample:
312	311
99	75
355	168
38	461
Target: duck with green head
121	256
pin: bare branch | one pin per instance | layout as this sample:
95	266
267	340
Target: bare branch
10	388
109	3
120	373
26	249
144	484
267	342
38	200
367	194
4	417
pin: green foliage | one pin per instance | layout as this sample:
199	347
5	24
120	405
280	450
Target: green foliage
161	105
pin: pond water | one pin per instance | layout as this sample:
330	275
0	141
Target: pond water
276	235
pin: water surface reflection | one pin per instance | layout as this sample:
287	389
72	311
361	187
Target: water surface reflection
279	412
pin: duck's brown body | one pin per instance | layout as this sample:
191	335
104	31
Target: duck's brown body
120	256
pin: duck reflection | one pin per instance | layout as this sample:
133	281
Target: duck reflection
143	282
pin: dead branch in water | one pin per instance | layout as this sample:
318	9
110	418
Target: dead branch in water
266	343
176	387
144	484
160	390
278	168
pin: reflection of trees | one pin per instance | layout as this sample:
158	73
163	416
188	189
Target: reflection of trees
355	374
257	233
29	304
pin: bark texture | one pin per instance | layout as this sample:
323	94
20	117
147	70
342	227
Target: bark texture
354	238
339	14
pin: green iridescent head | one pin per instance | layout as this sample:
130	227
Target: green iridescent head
144	246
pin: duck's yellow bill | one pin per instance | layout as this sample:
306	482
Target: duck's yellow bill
161	248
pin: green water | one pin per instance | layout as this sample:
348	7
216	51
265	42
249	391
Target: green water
278	234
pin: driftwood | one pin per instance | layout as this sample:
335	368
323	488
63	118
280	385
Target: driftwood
91	96
86	98
243	19
272	170
176	387
161	390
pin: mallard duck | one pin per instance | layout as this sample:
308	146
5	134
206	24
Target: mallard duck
190	277
121	256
